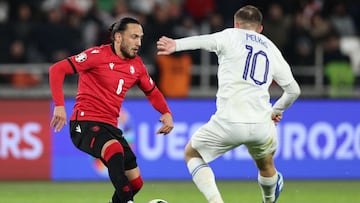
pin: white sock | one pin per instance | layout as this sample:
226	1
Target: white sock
204	179
268	186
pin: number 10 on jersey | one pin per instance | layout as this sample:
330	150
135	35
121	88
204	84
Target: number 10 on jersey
252	65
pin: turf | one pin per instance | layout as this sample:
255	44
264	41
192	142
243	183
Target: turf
178	192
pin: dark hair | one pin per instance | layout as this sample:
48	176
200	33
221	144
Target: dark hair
121	25
249	14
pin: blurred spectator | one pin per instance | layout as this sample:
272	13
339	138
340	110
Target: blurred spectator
341	20
331	46
172	73
34	31
120	9
276	25
311	7
22	24
351	46
338	71
354	9
77	6
227	9
159	23
104	5
175	75
94	25
4	32
143	6
300	49
102	19
186	27
17	52
200	9
50	34
216	22
320	27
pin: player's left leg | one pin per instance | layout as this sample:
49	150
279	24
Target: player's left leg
132	170
135	179
113	155
268	179
202	175
208	143
262	149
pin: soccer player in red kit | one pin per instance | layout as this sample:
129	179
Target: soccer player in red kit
106	73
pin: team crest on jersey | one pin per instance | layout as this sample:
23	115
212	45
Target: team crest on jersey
111	65
132	69
80	57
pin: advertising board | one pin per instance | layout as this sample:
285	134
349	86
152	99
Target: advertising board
25	140
318	139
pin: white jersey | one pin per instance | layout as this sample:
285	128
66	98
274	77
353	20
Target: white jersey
248	64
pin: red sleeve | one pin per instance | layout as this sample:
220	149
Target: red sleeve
57	74
157	100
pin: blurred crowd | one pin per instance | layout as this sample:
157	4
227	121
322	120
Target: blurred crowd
46	31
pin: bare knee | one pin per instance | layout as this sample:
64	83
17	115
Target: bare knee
106	145
190	152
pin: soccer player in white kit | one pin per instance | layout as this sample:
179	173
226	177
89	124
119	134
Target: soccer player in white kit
248	64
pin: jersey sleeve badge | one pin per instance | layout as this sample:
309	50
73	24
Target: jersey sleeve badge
81	57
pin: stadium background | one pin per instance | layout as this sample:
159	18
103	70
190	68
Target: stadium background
319	136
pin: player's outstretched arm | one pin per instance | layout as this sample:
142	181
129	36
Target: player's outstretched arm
166	46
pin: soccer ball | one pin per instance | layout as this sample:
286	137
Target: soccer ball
158	201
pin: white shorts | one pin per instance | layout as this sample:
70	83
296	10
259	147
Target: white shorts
217	137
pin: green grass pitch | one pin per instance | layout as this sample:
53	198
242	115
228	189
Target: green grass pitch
339	191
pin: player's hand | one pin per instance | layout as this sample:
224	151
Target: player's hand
276	117
168	124
165	46
59	118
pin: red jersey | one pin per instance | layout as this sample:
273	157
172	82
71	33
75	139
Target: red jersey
104	79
